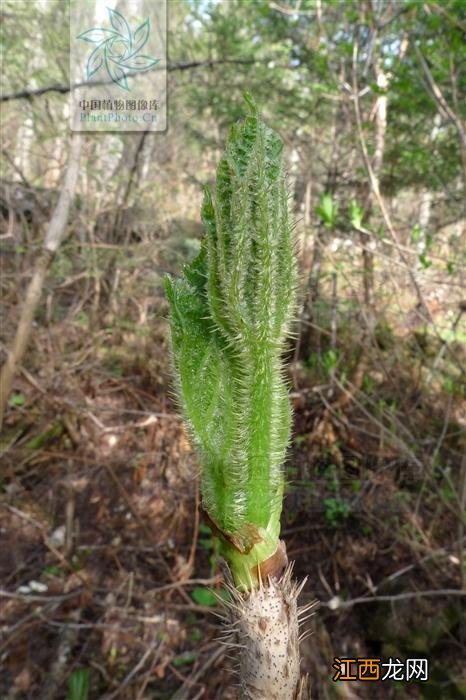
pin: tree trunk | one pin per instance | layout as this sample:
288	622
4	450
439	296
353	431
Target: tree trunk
53	238
380	110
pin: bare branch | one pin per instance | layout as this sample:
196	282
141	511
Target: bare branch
27	93
439	98
337	604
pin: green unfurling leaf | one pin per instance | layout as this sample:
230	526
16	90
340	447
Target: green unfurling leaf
355	214
229	318
78	686
327	210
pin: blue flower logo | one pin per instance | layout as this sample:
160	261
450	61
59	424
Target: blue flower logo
118	49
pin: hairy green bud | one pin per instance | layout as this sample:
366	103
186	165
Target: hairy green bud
229	318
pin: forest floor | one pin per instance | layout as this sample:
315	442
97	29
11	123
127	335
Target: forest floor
108	573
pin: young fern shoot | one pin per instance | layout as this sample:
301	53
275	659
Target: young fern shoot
229	316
